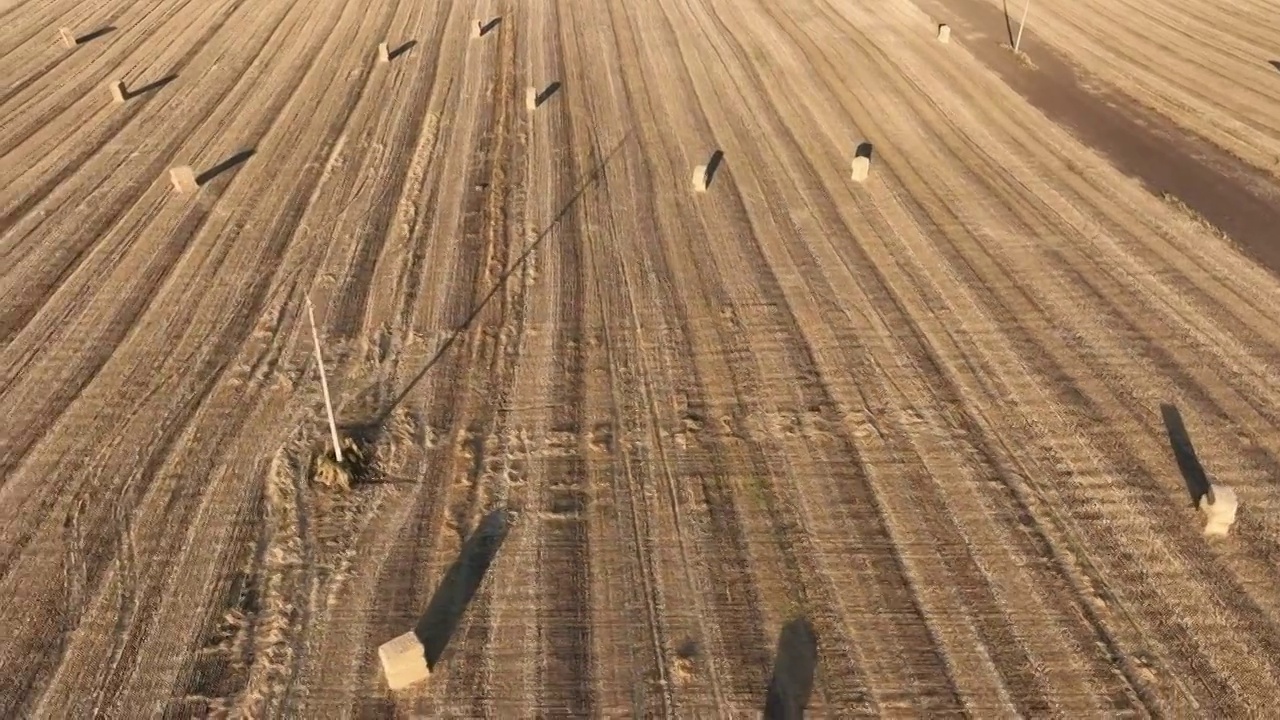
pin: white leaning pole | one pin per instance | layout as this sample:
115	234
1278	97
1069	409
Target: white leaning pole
1021	24
324	384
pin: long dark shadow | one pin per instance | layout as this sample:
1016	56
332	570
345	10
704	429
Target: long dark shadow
224	166
401	50
438	624
486	28
717	158
546	93
794	668
1008	24
95	34
592	178
1184	452
151	86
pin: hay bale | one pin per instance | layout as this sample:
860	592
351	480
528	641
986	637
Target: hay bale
944	34
1219	506
860	169
404	661
700	178
183	179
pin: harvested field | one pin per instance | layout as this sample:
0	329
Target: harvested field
920	445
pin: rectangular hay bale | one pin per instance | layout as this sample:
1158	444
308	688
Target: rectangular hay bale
860	169
700	178
404	661
183	179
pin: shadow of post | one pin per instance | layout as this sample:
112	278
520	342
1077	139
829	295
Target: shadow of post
1184	453
1008	24
488	27
592	178
460	583
794	668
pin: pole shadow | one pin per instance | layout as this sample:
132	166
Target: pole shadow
794	668
224	166
486	28
401	50
1008	24
546	93
592	178
150	87
717	158
864	150
1184	453
94	35
460	583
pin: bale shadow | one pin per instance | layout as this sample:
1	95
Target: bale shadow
546	93
150	87
401	50
1275	64
460	583
794	668
864	150
717	158
1184	453
486	28
94	35
592	178
224	166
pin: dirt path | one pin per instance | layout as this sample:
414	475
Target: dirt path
1206	67
1169	155
890	448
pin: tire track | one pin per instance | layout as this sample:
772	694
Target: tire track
41	110
500	222
568	532
1020	316
1235	115
250	298
891	586
373	229
37	282
938	228
735	601
801	172
193	225
486	234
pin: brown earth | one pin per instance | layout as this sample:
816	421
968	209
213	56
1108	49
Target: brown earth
910	447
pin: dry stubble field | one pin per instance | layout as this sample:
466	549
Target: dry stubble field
907	447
